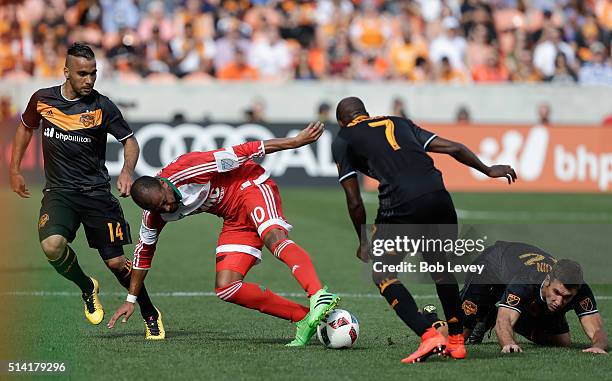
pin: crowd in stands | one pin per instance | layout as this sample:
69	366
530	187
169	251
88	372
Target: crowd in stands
447	41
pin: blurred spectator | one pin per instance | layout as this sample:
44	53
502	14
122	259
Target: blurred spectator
478	47
238	69
155	17
599	70
544	114
463	115
158	54
256	112
492	70
369	67
369	29
523	69
178	118
340	59
191	53
546	50
404	52
398	108
119	14
563	73
228	44
422	71
447	74
303	70
449	44
269	54
7	110
323	113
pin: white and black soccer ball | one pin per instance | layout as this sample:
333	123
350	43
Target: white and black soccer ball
340	329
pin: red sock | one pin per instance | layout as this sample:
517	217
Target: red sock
298	260
259	298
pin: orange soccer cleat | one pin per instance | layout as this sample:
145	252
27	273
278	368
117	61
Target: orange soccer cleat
455	347
432	342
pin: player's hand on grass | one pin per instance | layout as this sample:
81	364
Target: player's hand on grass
126	309
502	171
310	134
511	348
595	350
18	185
124	183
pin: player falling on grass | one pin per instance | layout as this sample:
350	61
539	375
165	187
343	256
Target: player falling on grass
527	291
227	183
75	120
394	150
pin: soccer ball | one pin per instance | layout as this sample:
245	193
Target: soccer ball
340	329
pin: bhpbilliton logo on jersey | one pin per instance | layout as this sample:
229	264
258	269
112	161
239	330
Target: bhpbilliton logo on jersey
51	133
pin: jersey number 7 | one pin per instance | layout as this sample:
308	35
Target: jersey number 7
389	131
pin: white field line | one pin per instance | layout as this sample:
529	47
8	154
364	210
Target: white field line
517	215
199	294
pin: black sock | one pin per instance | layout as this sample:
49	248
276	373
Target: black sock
146	306
67	266
404	305
448	293
433	319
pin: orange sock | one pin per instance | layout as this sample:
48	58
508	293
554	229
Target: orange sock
300	264
259	298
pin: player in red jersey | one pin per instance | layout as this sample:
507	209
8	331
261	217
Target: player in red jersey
227	183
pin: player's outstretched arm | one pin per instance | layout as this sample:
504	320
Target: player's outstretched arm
594	329
357	212
308	135
127	308
131	150
465	156
23	136
504	329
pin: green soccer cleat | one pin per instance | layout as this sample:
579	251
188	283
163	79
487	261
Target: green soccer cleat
321	304
303	333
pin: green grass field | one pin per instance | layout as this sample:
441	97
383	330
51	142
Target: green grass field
210	339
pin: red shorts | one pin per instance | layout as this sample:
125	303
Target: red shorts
241	239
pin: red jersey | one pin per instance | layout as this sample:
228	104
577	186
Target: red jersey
208	182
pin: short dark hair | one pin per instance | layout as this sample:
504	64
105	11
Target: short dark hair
78	49
568	272
141	190
350	108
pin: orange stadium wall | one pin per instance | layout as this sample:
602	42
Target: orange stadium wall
546	159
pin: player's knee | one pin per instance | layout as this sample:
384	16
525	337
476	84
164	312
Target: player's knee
226	292
116	264
226	278
273	237
54	246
